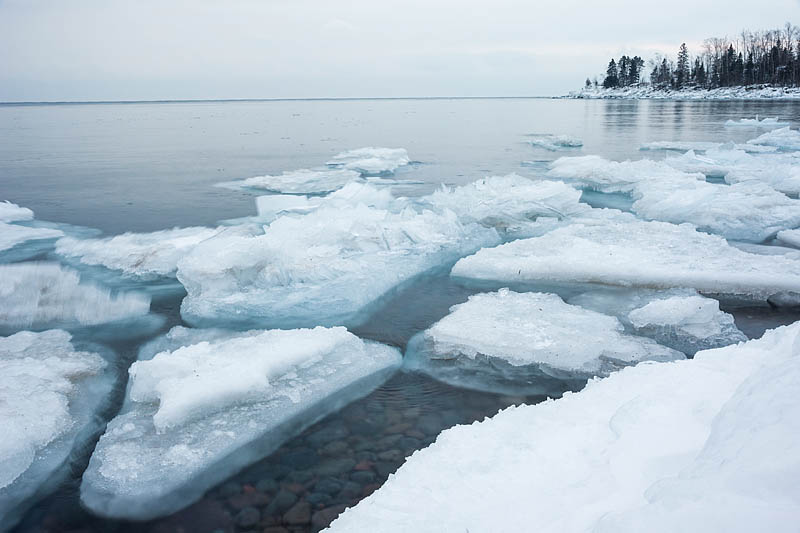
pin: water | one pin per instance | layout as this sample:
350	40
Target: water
143	167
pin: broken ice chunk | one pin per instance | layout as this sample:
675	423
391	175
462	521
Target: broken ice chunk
203	404
371	161
526	343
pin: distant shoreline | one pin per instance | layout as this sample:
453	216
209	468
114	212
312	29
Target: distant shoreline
647	92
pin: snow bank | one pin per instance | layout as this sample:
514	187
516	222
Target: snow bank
634	253
699	445
519	343
41	295
765	123
554	143
752	92
139	255
49	396
371	161
783	138
322	268
678	318
203	404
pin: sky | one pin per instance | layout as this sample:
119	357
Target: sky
67	50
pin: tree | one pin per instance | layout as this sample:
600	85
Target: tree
682	69
588	83
612	75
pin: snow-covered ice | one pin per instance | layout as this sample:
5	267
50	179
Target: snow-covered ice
50	394
303	181
10	212
371	161
597	173
765	123
520	343
634	253
138	255
12	235
747	211
790	237
782	138
322	268
708	444
203	404
42	295
678	318
554	143
512	204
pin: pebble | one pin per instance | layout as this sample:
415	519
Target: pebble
333	467
283	500
267	485
384	469
350	490
323	518
337	447
299	514
327	434
393	455
248	499
364	477
248	517
316	498
300	458
328	486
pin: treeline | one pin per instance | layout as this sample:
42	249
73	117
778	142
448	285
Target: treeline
770	57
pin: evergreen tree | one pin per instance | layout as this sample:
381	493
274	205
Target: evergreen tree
612	75
682	69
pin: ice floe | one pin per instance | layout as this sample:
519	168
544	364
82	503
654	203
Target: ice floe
50	394
371	161
526	343
138	255
783	138
708	444
12	235
597	173
43	295
678	318
303	181
765	123
704	146
634	253
790	237
10	212
746	211
322	268
555	143
202	404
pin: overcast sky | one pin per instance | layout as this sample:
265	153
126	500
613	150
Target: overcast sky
163	49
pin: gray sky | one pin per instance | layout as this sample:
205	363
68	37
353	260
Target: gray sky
171	49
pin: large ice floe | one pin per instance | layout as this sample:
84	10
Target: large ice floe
526	343
50	395
325	267
782	138
202	404
704	146
708	444
748	211
634	253
45	295
136	255
679	318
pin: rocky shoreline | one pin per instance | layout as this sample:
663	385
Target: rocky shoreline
642	92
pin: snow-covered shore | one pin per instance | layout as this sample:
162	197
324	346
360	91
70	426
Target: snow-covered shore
752	92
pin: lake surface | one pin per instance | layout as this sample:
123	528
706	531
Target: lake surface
150	166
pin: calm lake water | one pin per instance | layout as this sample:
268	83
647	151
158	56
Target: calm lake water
149	166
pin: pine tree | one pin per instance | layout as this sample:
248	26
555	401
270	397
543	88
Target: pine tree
682	70
612	75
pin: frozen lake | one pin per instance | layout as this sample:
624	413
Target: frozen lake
153	166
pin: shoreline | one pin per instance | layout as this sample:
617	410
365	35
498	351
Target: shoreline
647	92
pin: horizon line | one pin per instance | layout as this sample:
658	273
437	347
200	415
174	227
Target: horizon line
281	99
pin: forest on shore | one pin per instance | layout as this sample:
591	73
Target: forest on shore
765	57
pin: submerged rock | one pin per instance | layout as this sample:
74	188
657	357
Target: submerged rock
202	404
526	343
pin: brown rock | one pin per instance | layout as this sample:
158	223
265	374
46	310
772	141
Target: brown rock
297	488
369	489
248	499
323	518
299	514
364	465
